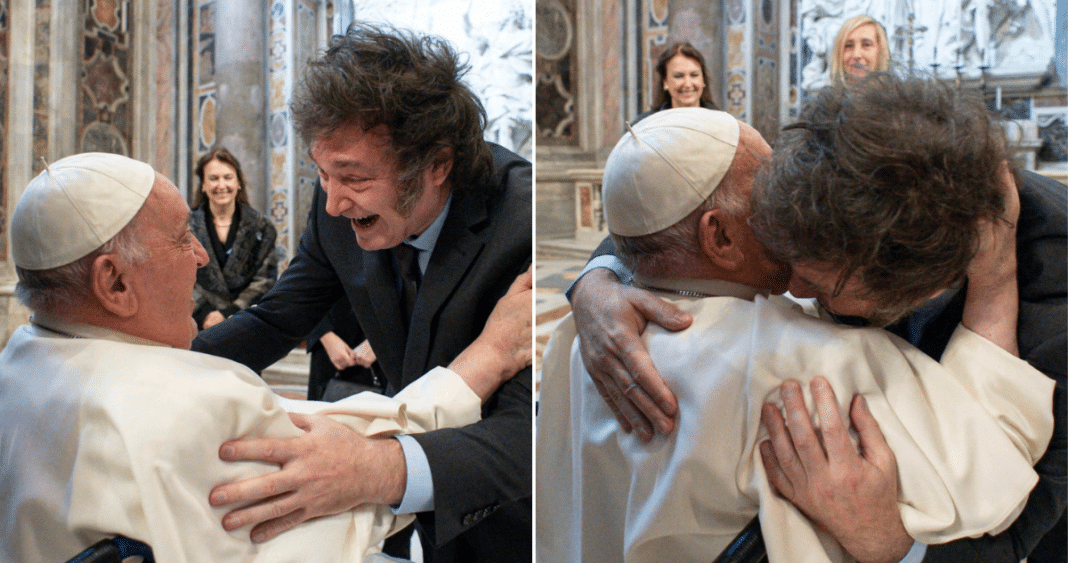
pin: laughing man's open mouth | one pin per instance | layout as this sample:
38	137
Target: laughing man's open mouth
364	222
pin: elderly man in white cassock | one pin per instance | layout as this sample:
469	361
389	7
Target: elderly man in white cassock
109	425
676	196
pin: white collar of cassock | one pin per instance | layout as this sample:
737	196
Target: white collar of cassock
692	287
72	329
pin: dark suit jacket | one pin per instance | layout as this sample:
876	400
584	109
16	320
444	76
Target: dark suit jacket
1042	260
250	271
482	472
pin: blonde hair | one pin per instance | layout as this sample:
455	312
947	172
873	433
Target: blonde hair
882	61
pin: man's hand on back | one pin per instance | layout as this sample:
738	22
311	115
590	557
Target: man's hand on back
851	494
328	470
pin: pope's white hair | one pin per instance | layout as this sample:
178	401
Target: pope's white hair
59	289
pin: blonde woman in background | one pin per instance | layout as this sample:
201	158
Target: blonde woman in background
859	48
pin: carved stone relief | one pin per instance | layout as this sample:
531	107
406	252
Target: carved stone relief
555	64
1006	36
105	78
203	78
495	36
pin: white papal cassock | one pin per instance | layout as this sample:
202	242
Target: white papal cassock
103	434
965	432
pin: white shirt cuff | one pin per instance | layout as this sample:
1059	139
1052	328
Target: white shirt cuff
419	489
604	261
916	554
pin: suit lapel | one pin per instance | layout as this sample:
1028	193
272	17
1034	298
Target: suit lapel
454	253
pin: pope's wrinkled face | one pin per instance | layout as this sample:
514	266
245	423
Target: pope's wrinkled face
684	82
860	51
358	172
163	282
762	270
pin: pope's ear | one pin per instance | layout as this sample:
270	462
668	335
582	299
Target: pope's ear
109	284
719	234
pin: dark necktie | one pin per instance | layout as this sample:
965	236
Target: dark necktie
407	259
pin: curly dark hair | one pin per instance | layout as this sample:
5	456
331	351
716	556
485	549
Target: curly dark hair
222	155
660	97
411	84
886	179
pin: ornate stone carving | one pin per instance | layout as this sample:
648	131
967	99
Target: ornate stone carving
496	38
554	30
103	137
105	83
105	121
1011	37
1054	133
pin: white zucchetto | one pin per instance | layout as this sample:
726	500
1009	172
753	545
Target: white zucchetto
666	166
76	205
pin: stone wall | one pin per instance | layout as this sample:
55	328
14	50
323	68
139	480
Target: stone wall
78	76
1002	50
146	79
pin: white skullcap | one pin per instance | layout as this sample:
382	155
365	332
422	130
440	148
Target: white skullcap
666	166
75	206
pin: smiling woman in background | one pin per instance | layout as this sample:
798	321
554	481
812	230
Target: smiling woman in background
680	73
242	263
859	48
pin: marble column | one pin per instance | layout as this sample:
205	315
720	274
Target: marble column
240	73
22	32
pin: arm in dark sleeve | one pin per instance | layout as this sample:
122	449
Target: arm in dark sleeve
340	320
494	468
1041	525
317	333
485	467
263	334
1042	268
607	247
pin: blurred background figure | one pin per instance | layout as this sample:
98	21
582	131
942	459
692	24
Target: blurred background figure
242	263
342	361
860	47
681	73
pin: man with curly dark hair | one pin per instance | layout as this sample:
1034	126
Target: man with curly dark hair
875	197
422	226
905	169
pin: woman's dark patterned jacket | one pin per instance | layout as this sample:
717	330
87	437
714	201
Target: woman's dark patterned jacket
250	272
